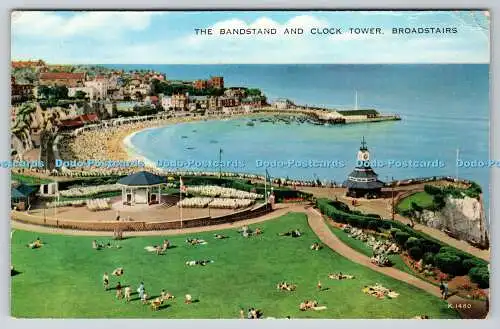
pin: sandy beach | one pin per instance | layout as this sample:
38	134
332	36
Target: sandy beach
113	143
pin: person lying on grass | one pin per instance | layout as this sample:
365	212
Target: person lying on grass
166	295
195	241
156	303
340	276
220	236
310	305
198	262
35	244
294	234
118	271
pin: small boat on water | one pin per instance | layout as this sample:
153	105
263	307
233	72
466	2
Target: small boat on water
250	124
194	130
184	137
213	142
190	148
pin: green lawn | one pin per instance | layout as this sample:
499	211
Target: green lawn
30	180
422	199
363	248
63	278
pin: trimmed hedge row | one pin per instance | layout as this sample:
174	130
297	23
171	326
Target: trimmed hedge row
419	245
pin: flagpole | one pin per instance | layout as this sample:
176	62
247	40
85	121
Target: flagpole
265	187
180	197
456	164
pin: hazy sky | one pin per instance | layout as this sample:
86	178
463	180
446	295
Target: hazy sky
169	37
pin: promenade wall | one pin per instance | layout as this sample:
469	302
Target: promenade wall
140	225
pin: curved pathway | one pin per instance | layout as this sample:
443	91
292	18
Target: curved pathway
315	219
319	226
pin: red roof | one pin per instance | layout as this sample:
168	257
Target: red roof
71	123
62	76
88	117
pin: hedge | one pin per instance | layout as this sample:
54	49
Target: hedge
412	242
480	275
428	258
470	263
401	238
415	253
448	259
449	263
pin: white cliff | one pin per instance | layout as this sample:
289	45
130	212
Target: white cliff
463	217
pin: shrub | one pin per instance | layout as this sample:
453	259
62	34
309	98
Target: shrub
428	258
401	237
415	253
432	190
353	221
480	275
386	225
448	263
412	242
373	225
393	231
469	263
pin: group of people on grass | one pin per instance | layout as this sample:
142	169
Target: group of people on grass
100	245
252	313
246	231
315	246
285	286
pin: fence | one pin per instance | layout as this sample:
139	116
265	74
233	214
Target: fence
111	226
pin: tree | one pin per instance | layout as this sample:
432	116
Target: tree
80	94
44	92
138	95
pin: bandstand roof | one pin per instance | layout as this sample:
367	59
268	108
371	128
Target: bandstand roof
142	178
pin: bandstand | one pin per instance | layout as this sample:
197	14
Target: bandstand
141	188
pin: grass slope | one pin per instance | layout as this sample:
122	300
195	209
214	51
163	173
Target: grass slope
63	278
422	199
363	248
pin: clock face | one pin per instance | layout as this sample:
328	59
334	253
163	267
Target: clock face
365	156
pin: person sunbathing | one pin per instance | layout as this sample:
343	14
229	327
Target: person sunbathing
258	231
195	241
315	246
220	236
118	271
95	245
188	299
302	306
35	244
156	303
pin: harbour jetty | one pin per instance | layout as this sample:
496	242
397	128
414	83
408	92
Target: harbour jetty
333	116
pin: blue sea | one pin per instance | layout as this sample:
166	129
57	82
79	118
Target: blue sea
443	108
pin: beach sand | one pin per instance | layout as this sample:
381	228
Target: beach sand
114	143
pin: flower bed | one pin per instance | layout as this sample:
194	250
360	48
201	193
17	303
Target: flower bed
223	192
89	190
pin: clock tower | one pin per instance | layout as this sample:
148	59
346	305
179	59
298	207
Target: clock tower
363	182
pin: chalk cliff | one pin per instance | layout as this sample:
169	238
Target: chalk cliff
462	217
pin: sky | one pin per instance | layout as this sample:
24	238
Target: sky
112	37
